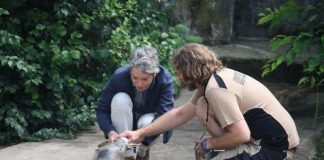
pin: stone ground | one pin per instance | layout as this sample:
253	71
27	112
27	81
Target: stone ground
180	146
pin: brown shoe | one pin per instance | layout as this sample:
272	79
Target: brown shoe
145	156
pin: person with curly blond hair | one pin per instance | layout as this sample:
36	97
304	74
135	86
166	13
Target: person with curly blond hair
243	118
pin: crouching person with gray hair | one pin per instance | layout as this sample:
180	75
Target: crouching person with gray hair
136	94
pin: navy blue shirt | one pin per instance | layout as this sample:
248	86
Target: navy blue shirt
159	98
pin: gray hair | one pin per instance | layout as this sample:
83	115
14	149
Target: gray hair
146	59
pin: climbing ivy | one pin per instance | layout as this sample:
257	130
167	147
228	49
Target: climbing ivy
56	56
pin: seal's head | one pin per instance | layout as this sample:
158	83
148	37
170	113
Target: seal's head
122	142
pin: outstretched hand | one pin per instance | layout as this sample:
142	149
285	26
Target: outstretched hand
112	136
198	149
132	136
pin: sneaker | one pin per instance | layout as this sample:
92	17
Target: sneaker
146	157
143	152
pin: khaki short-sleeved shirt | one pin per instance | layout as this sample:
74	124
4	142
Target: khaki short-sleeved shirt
245	97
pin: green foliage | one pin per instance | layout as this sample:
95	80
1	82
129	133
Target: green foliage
55	58
306	46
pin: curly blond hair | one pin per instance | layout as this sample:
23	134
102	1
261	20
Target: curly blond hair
195	63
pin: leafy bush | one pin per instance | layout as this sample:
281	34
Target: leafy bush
306	46
56	56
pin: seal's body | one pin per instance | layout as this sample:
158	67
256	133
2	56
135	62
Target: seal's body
113	151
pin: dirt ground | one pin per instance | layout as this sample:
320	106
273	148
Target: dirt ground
180	146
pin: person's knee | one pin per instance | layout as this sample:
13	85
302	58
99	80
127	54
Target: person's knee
121	102
121	112
145	120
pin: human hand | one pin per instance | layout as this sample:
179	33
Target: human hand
112	136
198	149
132	136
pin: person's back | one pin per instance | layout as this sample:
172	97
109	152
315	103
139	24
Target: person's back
258	105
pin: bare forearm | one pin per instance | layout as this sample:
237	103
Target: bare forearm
224	142
169	120
236	134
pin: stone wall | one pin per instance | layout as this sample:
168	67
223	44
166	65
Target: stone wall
220	21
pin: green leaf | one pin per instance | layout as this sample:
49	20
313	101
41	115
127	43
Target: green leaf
37	80
300	46
280	40
3	110
290	56
75	54
274	66
280	59
307	34
11	88
8	38
266	71
35	95
64	11
3	11
267	65
21	66
321	68
10	64
265	19
261	14
311	66
15	125
164	35
269	10
312	81
76	35
61	30
41	114
303	80
40	27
